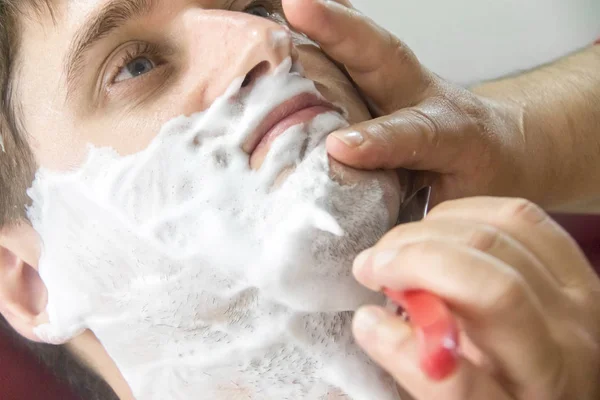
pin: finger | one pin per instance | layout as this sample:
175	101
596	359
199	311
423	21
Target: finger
384	68
533	228
390	342
499	312
475	235
432	136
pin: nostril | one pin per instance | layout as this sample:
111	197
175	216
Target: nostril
247	81
259	70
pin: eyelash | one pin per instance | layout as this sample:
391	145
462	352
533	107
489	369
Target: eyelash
271	5
140	49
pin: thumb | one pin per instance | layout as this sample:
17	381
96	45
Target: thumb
429	137
390	342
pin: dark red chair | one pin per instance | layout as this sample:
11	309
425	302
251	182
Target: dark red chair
586	230
23	378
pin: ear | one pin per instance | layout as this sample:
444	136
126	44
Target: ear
23	295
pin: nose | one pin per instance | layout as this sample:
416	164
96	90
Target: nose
226	46
268	48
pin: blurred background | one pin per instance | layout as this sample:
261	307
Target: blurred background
467	41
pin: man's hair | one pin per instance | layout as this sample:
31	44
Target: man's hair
16	160
17	169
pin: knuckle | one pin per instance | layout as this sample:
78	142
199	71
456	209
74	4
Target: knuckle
510	294
484	238
419	81
426	127
383	131
398	48
416	249
524	210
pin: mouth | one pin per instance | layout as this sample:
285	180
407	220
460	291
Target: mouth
299	110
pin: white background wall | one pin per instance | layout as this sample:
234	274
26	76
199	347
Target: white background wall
471	40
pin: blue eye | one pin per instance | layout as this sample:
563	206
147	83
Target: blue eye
135	68
259	11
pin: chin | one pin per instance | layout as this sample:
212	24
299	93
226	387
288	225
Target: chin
314	274
389	182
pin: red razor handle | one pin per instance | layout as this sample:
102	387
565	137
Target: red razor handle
435	328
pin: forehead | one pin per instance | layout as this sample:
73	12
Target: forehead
75	13
87	7
71	14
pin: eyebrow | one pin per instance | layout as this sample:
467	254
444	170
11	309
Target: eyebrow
110	18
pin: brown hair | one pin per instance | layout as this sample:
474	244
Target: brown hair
17	169
16	160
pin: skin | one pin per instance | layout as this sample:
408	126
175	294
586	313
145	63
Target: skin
469	144
534	135
530	326
102	103
526	297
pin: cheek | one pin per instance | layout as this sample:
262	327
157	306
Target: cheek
130	134
65	147
56	145
333	83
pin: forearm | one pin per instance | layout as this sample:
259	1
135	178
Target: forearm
560	111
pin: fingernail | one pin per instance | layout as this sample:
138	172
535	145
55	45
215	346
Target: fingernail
367	319
350	139
382	259
360	260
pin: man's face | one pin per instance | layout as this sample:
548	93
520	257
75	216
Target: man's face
115	81
111	74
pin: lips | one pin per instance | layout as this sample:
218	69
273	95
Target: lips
298	110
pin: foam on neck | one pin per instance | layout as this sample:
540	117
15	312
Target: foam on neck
198	277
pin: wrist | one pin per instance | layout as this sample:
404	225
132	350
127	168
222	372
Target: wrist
538	111
560	127
527	157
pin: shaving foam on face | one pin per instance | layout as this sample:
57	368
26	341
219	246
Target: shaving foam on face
200	277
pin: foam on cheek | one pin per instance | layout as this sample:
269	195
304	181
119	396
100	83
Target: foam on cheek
199	277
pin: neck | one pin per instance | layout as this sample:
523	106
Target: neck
311	362
92	354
